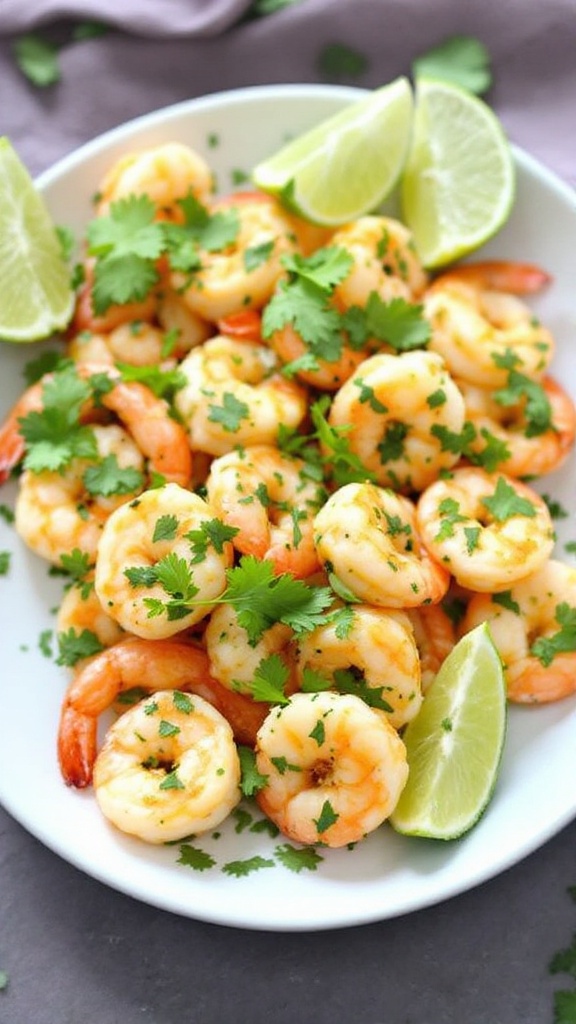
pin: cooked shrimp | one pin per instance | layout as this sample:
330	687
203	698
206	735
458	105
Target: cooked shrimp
12	444
367	536
234	661
142	666
377	659
478	325
234	396
531	626
384	261
57	512
148	575
489	530
435	637
400	409
81	611
86	319
335	768
165	173
528	446
160	438
168	768
244	273
268	497
137	343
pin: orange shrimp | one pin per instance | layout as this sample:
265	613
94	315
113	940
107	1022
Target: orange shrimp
143	665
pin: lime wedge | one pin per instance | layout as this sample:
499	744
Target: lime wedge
455	743
36	298
347	165
459	181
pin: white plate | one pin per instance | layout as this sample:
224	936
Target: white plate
387	875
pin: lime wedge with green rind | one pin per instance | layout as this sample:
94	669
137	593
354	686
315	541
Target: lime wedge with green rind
36	297
346	166
458	185
454	745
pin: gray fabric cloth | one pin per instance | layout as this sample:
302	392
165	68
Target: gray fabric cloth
118	76
75	950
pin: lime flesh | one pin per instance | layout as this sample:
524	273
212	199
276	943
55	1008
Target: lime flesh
454	745
458	185
347	165
36	297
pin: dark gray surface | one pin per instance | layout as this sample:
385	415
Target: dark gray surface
78	953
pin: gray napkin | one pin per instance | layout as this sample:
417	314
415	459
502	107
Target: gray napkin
157	53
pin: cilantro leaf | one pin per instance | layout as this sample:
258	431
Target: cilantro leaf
328	817
74	645
241	868
37	59
126	244
230	414
269	680
298	860
345	465
505	503
399	323
463	60
194	857
545	648
108	477
251	779
304	305
325	268
211	532
260	598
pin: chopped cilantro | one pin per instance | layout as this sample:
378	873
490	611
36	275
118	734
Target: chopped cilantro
545	648
298	860
211	532
269	680
108	477
463	60
74	645
194	857
37	59
126	244
340	61
252	780
505	503
241	868
328	817
230	414
5	557
171	781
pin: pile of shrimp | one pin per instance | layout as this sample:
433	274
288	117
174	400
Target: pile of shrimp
426	530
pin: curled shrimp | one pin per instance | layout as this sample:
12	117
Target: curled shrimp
489	530
168	768
530	629
147	563
383	264
367	536
397	411
165	173
268	498
435	636
529	446
377	659
56	512
244	273
86	319
384	258
141	343
146	417
334	766
80	613
478	322
234	396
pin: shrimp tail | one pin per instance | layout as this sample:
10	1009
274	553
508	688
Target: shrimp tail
76	747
